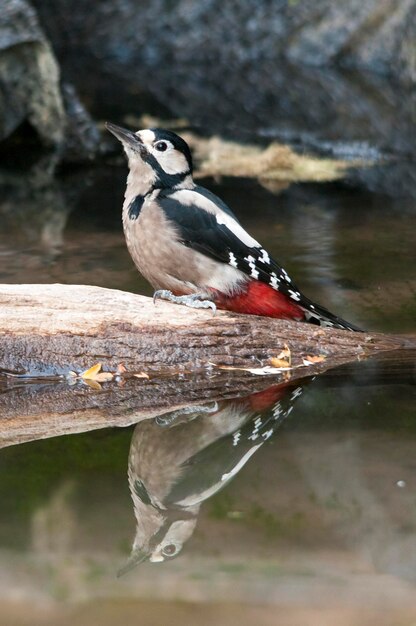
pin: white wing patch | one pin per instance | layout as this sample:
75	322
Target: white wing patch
189	197
264	258
241	463
295	295
236	437
296	393
252	265
277	410
233	260
257	424
225	220
274	280
257	261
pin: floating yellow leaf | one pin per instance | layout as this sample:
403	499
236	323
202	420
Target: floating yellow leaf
103	377
93	384
315	359
283	359
280	363
141	375
285	353
91	373
311	360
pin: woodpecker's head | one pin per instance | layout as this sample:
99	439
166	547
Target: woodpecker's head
160	157
158	539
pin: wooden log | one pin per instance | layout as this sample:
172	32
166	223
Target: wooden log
51	329
48	330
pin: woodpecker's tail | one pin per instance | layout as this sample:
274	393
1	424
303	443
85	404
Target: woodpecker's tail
316	314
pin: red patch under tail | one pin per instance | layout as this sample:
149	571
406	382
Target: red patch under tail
259	299
266	399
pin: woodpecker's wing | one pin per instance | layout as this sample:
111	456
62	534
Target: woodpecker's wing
206	224
211	468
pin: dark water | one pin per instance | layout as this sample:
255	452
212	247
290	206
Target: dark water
295	504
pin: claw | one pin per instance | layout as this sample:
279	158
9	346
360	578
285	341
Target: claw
193	300
163	294
186	414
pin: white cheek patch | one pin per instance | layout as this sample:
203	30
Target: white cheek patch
156	558
171	161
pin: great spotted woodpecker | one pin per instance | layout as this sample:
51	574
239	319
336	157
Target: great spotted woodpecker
189	245
180	459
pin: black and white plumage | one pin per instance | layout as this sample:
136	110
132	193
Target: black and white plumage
182	458
189	245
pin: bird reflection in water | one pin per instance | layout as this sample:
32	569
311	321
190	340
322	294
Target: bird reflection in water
180	459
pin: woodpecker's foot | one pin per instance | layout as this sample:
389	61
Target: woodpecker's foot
186	414
193	300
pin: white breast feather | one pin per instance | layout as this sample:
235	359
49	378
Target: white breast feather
225	278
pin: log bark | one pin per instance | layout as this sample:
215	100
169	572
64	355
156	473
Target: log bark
49	330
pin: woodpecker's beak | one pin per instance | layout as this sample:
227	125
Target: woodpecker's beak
127	137
137	556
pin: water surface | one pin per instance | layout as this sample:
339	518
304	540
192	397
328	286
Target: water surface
294	503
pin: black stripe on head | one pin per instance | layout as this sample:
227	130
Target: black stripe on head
164	180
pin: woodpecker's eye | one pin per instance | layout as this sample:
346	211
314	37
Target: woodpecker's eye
161	146
170	549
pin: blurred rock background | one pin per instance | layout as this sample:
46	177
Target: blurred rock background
335	79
